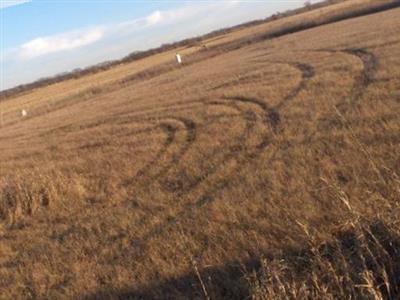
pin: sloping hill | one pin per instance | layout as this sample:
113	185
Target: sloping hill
260	167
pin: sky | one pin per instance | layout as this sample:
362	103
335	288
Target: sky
40	38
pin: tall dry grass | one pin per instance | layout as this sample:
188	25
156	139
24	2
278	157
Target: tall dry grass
361	260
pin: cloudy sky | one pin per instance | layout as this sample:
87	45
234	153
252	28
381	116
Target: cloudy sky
45	37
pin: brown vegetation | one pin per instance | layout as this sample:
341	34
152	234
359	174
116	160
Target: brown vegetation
261	168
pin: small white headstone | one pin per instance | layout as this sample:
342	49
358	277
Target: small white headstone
24	113
178	58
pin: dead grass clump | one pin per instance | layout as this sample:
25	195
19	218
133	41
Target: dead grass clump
23	194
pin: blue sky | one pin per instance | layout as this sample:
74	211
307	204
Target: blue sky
45	37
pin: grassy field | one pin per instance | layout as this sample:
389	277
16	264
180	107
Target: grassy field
260	168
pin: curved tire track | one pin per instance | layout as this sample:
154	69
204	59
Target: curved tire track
366	77
170	132
191	135
307	72
271	118
189	127
181	186
363	80
208	196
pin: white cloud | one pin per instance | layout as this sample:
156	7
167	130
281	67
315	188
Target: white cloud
79	38
154	18
174	16
9	3
61	42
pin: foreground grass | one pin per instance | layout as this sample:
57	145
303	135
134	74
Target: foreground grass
358	258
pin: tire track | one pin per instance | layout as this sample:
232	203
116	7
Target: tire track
382	45
240	81
366	77
191	130
363	80
170	125
247	155
191	135
182	186
116	119
126	117
171	130
307	72
270	118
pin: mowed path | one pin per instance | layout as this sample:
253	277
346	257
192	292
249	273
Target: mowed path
201	163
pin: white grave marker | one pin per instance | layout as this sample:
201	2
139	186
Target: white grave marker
178	58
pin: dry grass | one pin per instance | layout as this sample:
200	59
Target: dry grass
268	171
